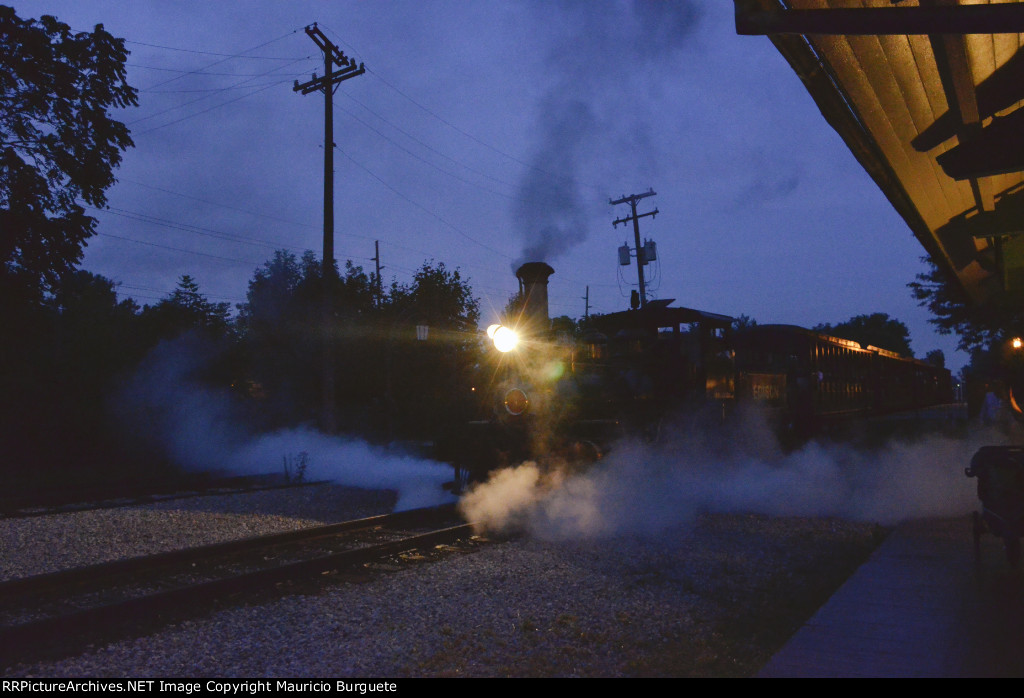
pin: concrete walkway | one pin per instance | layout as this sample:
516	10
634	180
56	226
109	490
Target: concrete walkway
920	606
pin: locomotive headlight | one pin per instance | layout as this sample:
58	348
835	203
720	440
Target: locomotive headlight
1016	342
505	339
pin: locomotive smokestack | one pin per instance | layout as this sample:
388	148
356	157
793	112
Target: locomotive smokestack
533	288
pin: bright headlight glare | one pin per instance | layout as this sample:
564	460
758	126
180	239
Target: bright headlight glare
505	339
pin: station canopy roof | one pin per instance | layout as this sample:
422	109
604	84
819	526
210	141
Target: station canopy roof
929	97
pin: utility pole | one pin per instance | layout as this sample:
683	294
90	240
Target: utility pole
347	68
641	258
376	261
586	305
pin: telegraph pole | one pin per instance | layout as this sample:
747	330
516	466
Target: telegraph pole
640	258
586	305
376	260
346	68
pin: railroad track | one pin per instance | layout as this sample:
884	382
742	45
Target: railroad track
58	614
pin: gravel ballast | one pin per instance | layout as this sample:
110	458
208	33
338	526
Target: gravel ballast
40	544
713	598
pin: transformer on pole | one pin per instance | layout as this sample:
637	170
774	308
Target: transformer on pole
645	253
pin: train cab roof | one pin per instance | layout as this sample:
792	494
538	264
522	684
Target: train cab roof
658	315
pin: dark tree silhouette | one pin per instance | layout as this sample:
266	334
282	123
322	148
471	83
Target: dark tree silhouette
187	309
978	325
743	322
936	357
512	313
271	291
56	376
563	324
388	382
278	324
97	335
437	297
282	327
58	145
427	380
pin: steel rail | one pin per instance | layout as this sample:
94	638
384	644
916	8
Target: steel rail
132	566
54	635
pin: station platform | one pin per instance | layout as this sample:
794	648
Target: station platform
921	606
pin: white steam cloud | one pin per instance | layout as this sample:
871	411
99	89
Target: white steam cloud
643	489
349	462
170	412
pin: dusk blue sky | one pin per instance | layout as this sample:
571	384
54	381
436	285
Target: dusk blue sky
482	130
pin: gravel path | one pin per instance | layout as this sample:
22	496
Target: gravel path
714	599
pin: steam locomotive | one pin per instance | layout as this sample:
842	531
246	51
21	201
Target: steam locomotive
546	395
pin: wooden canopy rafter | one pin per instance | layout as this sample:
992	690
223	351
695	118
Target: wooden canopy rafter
929	97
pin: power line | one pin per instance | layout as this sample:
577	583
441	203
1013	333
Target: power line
199	99
242	210
218	89
185	72
216	106
208	53
295	223
424	208
200	230
466	133
224	60
195	229
427	162
393	189
177	249
427	146
186	227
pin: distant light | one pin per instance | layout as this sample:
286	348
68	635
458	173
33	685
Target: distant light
491	329
1017	342
505	339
